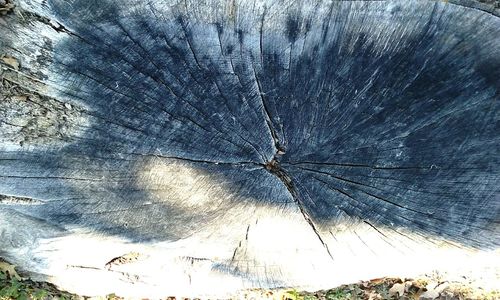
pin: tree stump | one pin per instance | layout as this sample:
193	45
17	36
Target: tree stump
152	148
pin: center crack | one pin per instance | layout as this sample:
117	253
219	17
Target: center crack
274	167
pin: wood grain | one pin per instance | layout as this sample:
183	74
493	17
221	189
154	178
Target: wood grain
256	143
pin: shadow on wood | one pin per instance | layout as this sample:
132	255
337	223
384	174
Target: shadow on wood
236	144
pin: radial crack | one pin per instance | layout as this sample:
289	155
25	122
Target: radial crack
242	163
267	113
274	168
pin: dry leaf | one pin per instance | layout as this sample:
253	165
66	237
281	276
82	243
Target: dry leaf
5	8
434	290
373	296
430	294
19	98
377	281
397	288
124	259
6	267
11	61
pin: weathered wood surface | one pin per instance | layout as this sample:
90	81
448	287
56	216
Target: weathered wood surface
159	147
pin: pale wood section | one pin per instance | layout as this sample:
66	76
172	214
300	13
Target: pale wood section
203	147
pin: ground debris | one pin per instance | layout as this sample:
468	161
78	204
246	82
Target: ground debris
124	259
14	286
6	6
11	61
397	288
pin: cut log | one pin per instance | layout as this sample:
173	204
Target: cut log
154	148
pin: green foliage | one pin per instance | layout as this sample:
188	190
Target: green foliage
292	295
13	288
334	294
338	294
10	288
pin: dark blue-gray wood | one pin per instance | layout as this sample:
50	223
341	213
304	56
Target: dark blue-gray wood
383	112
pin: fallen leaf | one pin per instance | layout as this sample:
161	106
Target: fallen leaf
431	294
377	280
5	7
434	290
11	61
397	288
124	259
6	267
19	98
373	296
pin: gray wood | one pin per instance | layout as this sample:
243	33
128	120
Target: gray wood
240	144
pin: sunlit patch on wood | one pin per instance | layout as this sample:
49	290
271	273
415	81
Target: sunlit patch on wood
210	147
